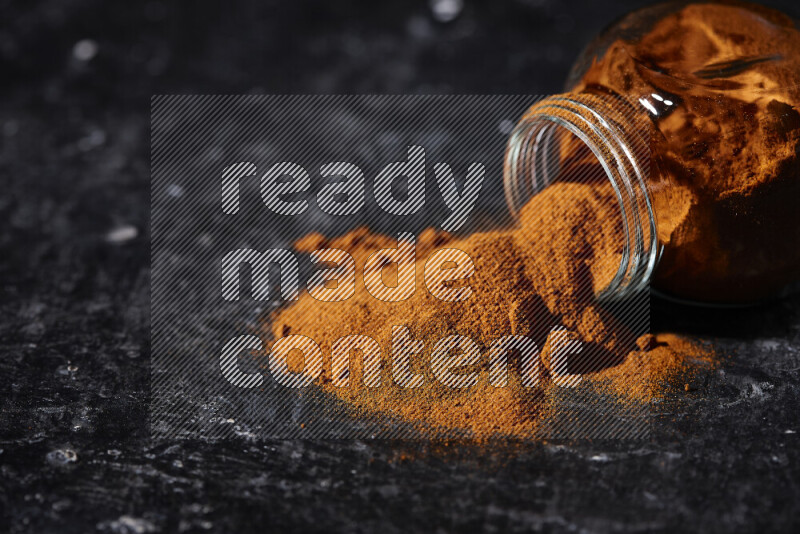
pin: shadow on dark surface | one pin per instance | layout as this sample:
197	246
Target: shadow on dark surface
775	318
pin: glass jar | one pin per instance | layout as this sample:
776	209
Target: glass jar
692	111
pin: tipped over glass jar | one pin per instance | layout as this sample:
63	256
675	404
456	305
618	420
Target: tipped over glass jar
692	110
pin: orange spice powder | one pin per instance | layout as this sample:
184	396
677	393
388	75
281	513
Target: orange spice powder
542	274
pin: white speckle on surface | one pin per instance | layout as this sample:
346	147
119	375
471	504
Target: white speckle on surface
131	350
174	190
85	49
121	234
505	126
790	432
95	139
599	458
243	433
66	370
127	524
446	10
61	505
62	457
768	344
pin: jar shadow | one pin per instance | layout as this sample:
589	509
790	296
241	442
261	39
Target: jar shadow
774	318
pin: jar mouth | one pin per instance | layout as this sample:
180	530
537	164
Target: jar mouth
615	140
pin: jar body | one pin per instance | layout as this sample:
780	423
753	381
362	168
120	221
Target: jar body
715	89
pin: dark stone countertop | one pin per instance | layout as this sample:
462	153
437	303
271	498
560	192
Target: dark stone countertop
75	455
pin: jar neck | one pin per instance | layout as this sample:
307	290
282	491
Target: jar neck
616	133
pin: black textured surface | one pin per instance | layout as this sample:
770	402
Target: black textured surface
74	449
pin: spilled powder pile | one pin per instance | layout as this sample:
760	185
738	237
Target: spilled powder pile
527	280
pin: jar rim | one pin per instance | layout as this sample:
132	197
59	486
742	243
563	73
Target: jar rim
614	136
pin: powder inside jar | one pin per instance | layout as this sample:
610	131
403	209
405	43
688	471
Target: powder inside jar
720	85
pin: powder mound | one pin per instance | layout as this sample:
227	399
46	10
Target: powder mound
536	280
